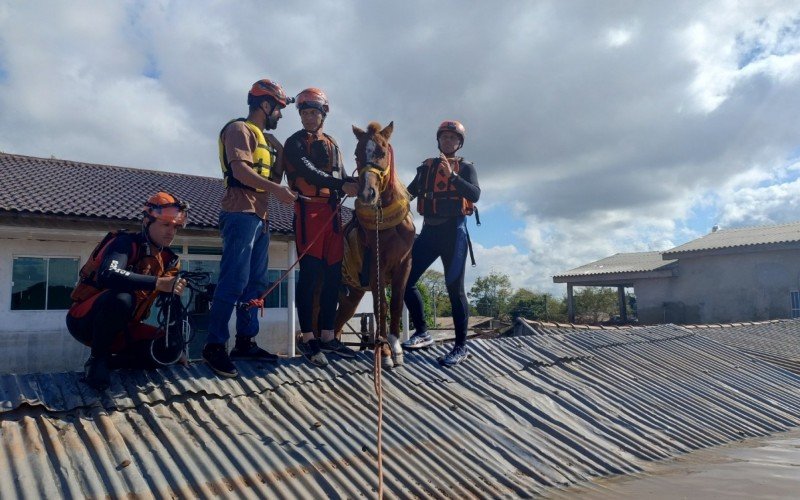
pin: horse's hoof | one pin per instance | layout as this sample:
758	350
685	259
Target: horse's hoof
397	359
397	350
386	362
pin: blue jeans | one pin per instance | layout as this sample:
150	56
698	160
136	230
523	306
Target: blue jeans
242	275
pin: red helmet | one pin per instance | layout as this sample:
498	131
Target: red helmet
268	88
312	98
166	207
452	126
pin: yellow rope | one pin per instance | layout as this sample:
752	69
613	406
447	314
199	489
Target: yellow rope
373	217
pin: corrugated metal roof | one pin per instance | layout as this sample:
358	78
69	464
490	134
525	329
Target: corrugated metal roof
776	341
524	414
621	263
110	192
743	237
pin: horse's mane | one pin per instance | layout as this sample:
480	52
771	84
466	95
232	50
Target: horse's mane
395	188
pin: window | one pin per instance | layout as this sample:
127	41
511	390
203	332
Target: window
42	283
795	297
198	250
280	296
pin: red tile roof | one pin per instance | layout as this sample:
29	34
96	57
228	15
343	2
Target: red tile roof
61	187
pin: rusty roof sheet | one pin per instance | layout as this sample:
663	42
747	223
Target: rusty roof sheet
523	415
776	341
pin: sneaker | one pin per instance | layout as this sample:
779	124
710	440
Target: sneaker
246	348
456	356
312	352
418	341
96	374
336	346
218	360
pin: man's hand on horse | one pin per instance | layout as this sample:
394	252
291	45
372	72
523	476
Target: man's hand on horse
444	165
350	188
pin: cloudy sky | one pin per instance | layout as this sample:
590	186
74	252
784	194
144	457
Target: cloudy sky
596	127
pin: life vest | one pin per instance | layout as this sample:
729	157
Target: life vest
324	155
164	263
436	195
263	157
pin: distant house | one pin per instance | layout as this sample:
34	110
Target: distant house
748	274
52	214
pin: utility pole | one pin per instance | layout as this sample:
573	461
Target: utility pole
433	289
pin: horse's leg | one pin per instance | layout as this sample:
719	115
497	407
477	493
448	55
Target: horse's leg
379	308
399	280
349	298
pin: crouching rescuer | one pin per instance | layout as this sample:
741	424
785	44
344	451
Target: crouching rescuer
117	287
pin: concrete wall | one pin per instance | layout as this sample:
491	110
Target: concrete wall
751	286
38	341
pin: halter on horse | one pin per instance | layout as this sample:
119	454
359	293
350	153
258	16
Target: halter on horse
385	233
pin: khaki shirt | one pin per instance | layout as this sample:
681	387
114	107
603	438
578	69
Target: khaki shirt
240	142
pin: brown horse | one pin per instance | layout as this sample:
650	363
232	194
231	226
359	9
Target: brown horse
382	233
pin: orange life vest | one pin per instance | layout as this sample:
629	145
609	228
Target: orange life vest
325	155
163	263
436	195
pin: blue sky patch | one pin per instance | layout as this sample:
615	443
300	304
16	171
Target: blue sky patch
498	227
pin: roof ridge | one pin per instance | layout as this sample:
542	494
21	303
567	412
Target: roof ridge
107	166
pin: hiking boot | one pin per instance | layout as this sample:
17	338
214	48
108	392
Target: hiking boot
218	360
336	346
418	341
96	374
312	352
246	348
454	357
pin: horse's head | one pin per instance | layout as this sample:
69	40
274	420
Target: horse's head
374	161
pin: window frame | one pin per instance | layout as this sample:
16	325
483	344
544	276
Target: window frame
185	258
46	258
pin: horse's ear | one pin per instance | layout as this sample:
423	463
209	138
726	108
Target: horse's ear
387	131
358	132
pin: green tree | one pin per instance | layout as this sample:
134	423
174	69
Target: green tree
438	300
537	306
596	304
491	294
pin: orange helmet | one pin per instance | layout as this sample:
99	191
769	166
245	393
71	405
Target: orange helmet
452	126
166	207
312	98
268	88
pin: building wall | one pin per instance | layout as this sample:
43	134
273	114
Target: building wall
750	286
38	341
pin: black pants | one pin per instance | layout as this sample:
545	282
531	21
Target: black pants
448	241
108	328
313	273
99	327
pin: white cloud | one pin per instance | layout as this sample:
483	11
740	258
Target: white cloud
618	37
610	126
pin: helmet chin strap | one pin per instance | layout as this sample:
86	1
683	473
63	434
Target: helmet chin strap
268	124
146	231
439	146
321	123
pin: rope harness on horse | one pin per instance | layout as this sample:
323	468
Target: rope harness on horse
379	346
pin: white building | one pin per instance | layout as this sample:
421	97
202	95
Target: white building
52	214
748	274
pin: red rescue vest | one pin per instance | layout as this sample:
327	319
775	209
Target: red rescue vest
164	263
325	154
437	195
